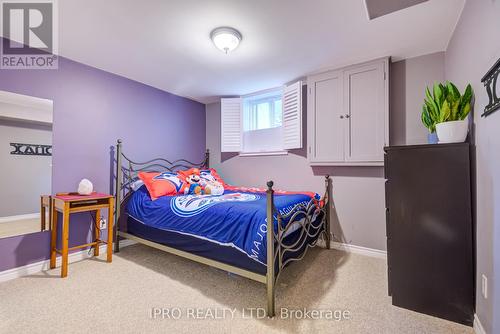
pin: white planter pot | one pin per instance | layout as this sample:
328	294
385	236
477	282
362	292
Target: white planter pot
452	132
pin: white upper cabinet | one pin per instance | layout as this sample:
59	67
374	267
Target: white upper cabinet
365	103
325	117
348	115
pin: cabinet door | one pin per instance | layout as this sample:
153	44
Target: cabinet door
366	109
326	120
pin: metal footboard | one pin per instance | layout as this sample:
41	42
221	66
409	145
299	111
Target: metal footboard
277	246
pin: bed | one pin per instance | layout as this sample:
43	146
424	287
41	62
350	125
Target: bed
227	231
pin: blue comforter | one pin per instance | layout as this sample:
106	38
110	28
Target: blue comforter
236	219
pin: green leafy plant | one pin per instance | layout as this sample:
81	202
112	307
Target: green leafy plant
445	104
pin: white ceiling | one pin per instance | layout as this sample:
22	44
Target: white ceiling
166	44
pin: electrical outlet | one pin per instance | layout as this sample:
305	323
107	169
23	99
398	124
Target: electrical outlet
103	223
484	286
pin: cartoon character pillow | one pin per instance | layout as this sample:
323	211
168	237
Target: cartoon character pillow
202	182
161	184
191	181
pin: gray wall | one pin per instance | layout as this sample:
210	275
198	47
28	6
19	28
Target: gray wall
473	49
358	192
23	178
408	81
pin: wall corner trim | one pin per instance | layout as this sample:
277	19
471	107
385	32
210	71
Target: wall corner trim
380	254
44	265
478	327
455	26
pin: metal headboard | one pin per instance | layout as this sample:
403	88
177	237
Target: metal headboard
127	174
128	169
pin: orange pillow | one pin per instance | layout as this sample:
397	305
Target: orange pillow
161	184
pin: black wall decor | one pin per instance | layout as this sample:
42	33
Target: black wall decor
31	149
490	82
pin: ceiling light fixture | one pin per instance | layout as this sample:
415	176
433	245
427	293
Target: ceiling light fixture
226	39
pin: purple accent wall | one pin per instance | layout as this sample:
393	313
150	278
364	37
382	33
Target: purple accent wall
92	108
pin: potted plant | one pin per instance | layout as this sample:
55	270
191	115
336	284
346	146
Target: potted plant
445	112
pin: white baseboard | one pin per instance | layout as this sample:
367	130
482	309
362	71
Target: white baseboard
19	217
380	254
478	327
44	265
127	242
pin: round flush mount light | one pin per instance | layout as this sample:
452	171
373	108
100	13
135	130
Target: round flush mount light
226	39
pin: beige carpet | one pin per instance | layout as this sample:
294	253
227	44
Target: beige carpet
118	298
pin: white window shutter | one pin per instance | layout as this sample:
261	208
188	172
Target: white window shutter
292	116
231	126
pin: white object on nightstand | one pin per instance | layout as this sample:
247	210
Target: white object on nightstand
85	187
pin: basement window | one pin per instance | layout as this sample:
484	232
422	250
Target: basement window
262	123
265	123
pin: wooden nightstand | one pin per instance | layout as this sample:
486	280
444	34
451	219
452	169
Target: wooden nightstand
69	203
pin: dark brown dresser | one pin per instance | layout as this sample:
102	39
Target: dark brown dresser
430	231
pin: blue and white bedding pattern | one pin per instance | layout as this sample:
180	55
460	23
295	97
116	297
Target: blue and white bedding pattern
237	219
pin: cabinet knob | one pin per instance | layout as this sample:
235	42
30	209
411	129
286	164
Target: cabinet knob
341	116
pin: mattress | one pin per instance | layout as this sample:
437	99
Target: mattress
230	228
